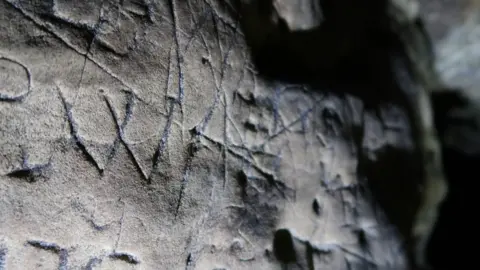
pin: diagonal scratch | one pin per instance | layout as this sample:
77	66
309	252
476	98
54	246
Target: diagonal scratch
73	47
284	129
269	176
120	129
186	174
166	131
74	131
163	141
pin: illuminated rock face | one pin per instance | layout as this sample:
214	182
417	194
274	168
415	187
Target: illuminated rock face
141	134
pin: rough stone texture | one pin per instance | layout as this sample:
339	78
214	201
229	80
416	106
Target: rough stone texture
138	134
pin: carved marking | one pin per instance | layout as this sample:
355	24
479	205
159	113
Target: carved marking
3	257
29	171
63	255
74	132
52	247
126	257
166	130
15	80
120	131
92	263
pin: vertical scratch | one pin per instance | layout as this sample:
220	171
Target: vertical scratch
225	97
276	101
225	142
120	230
3	255
163	141
217	96
166	131
186	174
89	48
181	89
181	94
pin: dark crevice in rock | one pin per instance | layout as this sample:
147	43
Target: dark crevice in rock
316	207
453	235
283	246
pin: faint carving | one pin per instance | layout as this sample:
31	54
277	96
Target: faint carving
126	257
28	171
3	257
15	80
52	247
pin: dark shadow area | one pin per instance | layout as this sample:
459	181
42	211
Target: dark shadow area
345	55
452	242
359	64
283	246
393	179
